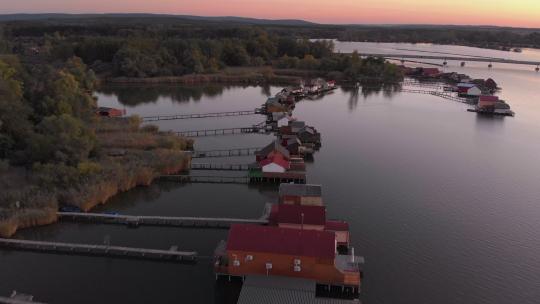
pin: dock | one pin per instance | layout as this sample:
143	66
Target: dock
171	255
225	152
206	179
201	115
219	167
223	131
170	221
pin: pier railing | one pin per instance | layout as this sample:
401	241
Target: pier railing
173	221
223	131
171	255
207	179
225	152
200	115
220	167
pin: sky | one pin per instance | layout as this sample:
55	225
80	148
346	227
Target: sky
517	13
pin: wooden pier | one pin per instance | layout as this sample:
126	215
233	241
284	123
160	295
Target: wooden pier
170	221
223	131
225	152
171	255
202	115
219	167
445	95
207	179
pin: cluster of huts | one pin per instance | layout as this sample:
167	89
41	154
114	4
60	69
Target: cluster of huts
299	242
284	101
283	159
478	91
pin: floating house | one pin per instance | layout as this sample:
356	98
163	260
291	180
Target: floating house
277	251
295	194
306	134
468	90
488	104
274	163
110	112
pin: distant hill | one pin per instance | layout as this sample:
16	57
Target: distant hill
57	16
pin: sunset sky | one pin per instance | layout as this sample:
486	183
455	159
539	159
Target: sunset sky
519	13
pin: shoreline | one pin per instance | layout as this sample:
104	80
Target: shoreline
243	75
144	157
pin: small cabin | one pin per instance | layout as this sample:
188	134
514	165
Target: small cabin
110	112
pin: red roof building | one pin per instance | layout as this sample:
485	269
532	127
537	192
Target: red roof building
275	251
275	163
283	241
487	101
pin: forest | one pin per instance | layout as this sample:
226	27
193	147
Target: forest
153	47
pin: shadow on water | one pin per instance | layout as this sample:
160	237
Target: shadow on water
489	122
133	95
367	90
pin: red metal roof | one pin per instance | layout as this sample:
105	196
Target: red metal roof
336	226
294	242
276	158
292	214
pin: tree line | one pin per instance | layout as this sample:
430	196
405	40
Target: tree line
151	49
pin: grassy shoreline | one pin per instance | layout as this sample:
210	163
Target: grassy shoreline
243	75
130	156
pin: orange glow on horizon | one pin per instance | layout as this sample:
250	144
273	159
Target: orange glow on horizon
517	13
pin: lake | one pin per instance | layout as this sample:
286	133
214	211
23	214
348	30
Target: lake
443	204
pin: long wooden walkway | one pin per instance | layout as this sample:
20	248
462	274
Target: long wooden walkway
207	179
452	58
223	131
201	115
171	255
225	152
172	221
219	167
445	95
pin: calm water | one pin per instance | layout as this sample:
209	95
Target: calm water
443	204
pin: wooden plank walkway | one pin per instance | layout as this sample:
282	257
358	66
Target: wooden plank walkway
220	167
207	179
100	250
201	115
225	152
172	221
223	131
445	95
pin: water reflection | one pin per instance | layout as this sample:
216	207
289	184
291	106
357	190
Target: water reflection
133	95
369	89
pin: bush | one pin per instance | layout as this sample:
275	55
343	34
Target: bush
150	129
89	168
